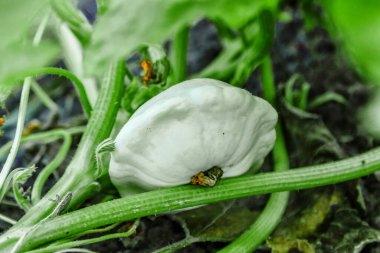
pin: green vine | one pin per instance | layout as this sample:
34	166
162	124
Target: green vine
80	175
43	137
62	72
164	200
68	245
179	55
269	218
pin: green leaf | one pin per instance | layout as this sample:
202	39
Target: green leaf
152	80
326	97
77	22
16	17
159	64
4	94
347	233
19	178
17	59
217	222
128	24
356	25
224	65
312	140
259	48
297	97
137	94
368	115
102	6
306	214
16	49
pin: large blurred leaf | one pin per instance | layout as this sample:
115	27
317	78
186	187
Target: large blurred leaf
16	17
17	59
4	93
129	23
17	52
356	24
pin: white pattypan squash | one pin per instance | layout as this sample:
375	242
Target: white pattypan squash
191	127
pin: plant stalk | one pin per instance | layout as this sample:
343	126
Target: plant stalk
179	54
17	139
81	172
269	218
169	199
87	108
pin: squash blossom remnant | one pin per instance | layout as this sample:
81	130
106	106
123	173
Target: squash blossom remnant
2	121
148	74
207	178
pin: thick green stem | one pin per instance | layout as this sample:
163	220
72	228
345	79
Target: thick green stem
81	172
164	200
269	88
179	55
269	218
